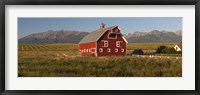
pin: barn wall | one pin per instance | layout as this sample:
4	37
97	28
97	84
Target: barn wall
87	48
111	45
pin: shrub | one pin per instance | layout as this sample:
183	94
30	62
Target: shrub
160	49
167	50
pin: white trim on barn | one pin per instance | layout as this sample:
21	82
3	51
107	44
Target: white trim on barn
118	43
125	39
105	43
111	37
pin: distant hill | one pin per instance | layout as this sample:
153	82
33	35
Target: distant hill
59	36
67	36
154	36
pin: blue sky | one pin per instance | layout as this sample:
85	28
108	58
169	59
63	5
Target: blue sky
28	26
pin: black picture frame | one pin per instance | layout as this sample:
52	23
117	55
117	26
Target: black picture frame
3	3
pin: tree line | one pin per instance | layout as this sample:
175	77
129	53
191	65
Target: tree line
167	50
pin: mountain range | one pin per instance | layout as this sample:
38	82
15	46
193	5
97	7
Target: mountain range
154	36
51	36
68	36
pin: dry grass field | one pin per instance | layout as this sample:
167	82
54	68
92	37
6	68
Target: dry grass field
63	60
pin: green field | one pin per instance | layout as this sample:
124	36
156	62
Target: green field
63	60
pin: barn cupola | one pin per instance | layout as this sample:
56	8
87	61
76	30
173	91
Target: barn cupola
102	26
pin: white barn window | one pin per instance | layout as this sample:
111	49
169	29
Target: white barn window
116	50
105	43
118	44
109	50
122	50
89	50
100	50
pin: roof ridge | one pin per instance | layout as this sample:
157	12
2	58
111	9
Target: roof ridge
105	28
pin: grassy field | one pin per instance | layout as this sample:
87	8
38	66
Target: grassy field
62	60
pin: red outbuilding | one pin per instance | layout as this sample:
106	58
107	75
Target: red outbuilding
104	42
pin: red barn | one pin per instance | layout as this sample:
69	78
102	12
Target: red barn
104	42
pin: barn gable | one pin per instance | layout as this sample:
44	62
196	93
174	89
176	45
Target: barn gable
95	35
